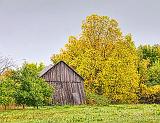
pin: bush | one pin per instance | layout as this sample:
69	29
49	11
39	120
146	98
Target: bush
7	91
95	99
150	94
31	90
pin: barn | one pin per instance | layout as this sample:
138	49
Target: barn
68	84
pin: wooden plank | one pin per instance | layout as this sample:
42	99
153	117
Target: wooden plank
83	92
79	91
64	81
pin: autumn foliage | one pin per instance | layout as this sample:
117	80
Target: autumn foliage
114	69
110	63
105	58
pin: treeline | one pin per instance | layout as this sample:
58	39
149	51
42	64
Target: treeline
112	66
114	69
24	87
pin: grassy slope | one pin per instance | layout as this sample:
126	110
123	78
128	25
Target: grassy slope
85	114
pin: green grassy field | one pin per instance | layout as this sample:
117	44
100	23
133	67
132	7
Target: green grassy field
84	114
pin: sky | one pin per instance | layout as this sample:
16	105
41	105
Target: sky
33	30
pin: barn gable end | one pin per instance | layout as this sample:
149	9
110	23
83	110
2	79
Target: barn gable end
69	86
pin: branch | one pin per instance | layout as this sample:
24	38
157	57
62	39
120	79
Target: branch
5	63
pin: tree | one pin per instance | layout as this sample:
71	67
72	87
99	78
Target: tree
149	52
7	90
5	63
120	73
104	57
31	89
149	59
154	75
143	65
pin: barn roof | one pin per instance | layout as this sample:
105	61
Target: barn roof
47	68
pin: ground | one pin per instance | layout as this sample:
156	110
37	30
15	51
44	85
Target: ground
84	114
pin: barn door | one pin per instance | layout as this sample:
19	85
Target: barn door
58	93
75	94
76	98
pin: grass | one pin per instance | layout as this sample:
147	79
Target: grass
84	114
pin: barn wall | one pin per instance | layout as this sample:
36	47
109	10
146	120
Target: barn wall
69	88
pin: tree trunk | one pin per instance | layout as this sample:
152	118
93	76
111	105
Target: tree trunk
23	107
5	107
37	107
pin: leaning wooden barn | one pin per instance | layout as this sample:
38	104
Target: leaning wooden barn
68	84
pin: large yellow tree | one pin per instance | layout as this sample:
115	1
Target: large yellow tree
105	58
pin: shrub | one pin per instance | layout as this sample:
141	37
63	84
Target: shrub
31	90
150	94
95	99
6	92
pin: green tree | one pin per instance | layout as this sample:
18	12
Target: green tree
149	52
154	75
149	58
31	89
7	90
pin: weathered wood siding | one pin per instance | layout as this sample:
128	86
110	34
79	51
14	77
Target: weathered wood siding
69	86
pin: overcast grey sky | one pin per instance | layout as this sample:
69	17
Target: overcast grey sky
35	29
